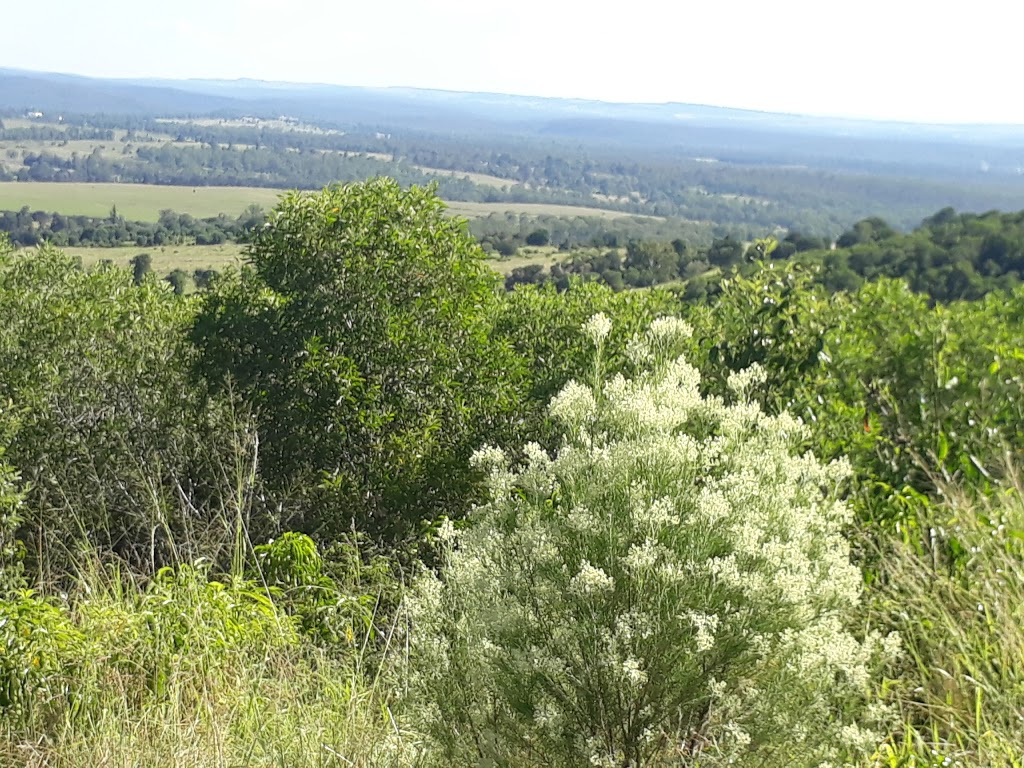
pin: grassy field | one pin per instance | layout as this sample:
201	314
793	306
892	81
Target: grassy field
477	178
138	202
219	257
546	256
143	202
166	258
13	152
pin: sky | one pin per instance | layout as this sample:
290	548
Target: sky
939	61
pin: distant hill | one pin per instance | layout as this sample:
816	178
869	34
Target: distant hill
720	133
68	93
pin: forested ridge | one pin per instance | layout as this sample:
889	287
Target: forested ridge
354	503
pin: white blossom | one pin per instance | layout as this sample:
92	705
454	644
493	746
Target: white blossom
597	327
591	580
574	405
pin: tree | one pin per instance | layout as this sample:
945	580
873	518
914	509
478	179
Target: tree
252	217
178	280
538	237
869	230
142	265
361	337
203	277
725	252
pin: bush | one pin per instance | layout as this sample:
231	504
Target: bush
115	443
670	588
11	549
340	602
178	280
538	237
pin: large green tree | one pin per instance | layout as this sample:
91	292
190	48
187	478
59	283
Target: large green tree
361	335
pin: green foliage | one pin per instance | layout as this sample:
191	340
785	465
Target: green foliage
186	670
142	265
654	578
337	602
115	443
538	237
775	319
12	550
51	653
41	651
671	587
361	339
950	256
11	496
179	281
29	228
880	375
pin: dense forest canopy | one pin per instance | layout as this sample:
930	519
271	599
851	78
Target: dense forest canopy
949	256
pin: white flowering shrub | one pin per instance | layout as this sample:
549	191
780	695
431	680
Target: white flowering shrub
671	588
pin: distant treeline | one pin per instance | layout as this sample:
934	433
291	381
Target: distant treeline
505	233
501	233
212	165
46	132
950	256
29	228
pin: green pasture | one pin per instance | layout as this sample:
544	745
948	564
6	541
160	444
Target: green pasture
166	258
476	210
143	202
138	202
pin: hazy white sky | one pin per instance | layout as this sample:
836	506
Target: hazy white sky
935	60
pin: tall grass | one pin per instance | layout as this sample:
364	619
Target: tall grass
188	672
954	589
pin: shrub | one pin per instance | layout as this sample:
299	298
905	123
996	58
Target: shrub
11	509
670	588
115	444
339	601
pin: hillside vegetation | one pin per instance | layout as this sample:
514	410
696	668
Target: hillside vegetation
355	504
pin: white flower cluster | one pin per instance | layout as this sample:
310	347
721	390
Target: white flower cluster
705	626
574	406
597	328
742	383
591	580
672	534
